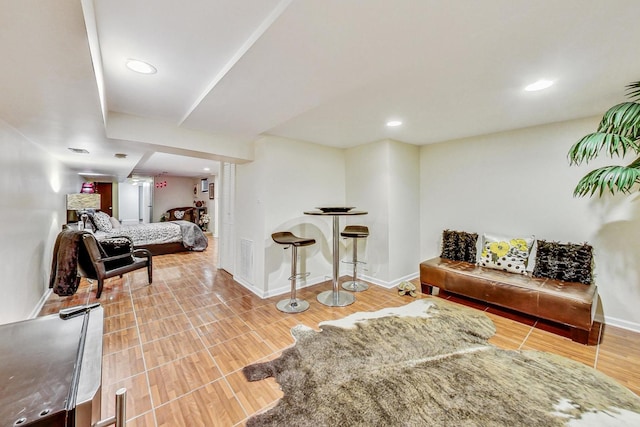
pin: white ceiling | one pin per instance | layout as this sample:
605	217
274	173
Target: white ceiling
325	71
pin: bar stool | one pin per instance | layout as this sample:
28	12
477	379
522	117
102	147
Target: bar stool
355	232
293	304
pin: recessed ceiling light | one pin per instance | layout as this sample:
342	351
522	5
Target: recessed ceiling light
141	66
394	123
207	169
79	150
539	85
120	155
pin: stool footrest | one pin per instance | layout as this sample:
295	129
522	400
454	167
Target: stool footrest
353	262
355	286
299	276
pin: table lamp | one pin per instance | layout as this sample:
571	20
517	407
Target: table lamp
80	202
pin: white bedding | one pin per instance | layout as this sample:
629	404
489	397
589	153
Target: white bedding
146	234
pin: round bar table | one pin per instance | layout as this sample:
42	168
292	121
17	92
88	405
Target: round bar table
335	297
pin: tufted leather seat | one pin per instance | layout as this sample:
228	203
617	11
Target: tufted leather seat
569	303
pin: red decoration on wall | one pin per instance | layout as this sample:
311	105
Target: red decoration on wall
162	184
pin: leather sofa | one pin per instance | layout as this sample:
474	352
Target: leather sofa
568	303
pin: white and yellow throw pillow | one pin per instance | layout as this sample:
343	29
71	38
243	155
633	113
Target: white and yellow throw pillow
506	253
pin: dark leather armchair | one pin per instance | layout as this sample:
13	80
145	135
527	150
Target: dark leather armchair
113	257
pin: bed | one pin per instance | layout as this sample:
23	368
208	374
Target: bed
158	237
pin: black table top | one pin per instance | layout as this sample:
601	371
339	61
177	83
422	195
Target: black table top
39	369
335	213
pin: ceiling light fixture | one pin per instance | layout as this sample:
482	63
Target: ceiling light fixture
394	123
539	85
141	66
79	150
207	169
120	155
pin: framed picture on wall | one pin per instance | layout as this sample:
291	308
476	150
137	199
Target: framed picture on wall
211	191
203	185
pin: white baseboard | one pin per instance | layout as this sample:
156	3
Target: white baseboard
392	283
40	304
281	290
285	289
623	324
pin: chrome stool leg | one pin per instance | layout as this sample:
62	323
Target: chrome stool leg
293	304
355	285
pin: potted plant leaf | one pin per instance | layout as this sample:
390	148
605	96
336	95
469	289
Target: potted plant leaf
618	133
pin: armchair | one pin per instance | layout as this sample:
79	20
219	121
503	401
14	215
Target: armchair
98	263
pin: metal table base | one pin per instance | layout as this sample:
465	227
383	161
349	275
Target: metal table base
335	297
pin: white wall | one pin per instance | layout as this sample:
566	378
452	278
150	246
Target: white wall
129	203
520	183
382	178
368	186
178	193
32	210
272	192
404	211
289	177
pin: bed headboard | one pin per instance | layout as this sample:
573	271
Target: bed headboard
186	213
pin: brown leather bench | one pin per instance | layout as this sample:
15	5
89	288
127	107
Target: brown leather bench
571	304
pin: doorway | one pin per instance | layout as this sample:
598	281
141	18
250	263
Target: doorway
135	201
105	189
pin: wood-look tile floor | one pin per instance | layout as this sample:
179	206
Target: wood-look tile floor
179	345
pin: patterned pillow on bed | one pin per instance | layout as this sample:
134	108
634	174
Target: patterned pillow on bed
115	224
102	221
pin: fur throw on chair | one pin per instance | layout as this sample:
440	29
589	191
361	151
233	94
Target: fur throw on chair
64	277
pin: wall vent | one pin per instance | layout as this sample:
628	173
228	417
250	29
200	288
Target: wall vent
246	260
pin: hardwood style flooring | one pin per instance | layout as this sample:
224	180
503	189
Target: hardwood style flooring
179	345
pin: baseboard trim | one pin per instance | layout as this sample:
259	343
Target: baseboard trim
285	289
623	324
282	290
392	283
40	304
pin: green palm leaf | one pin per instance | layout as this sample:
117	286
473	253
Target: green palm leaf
612	178
622	119
633	90
618	132
590	146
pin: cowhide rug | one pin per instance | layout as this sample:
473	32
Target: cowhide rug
429	364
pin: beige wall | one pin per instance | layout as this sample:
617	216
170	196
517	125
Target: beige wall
520	183
32	210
